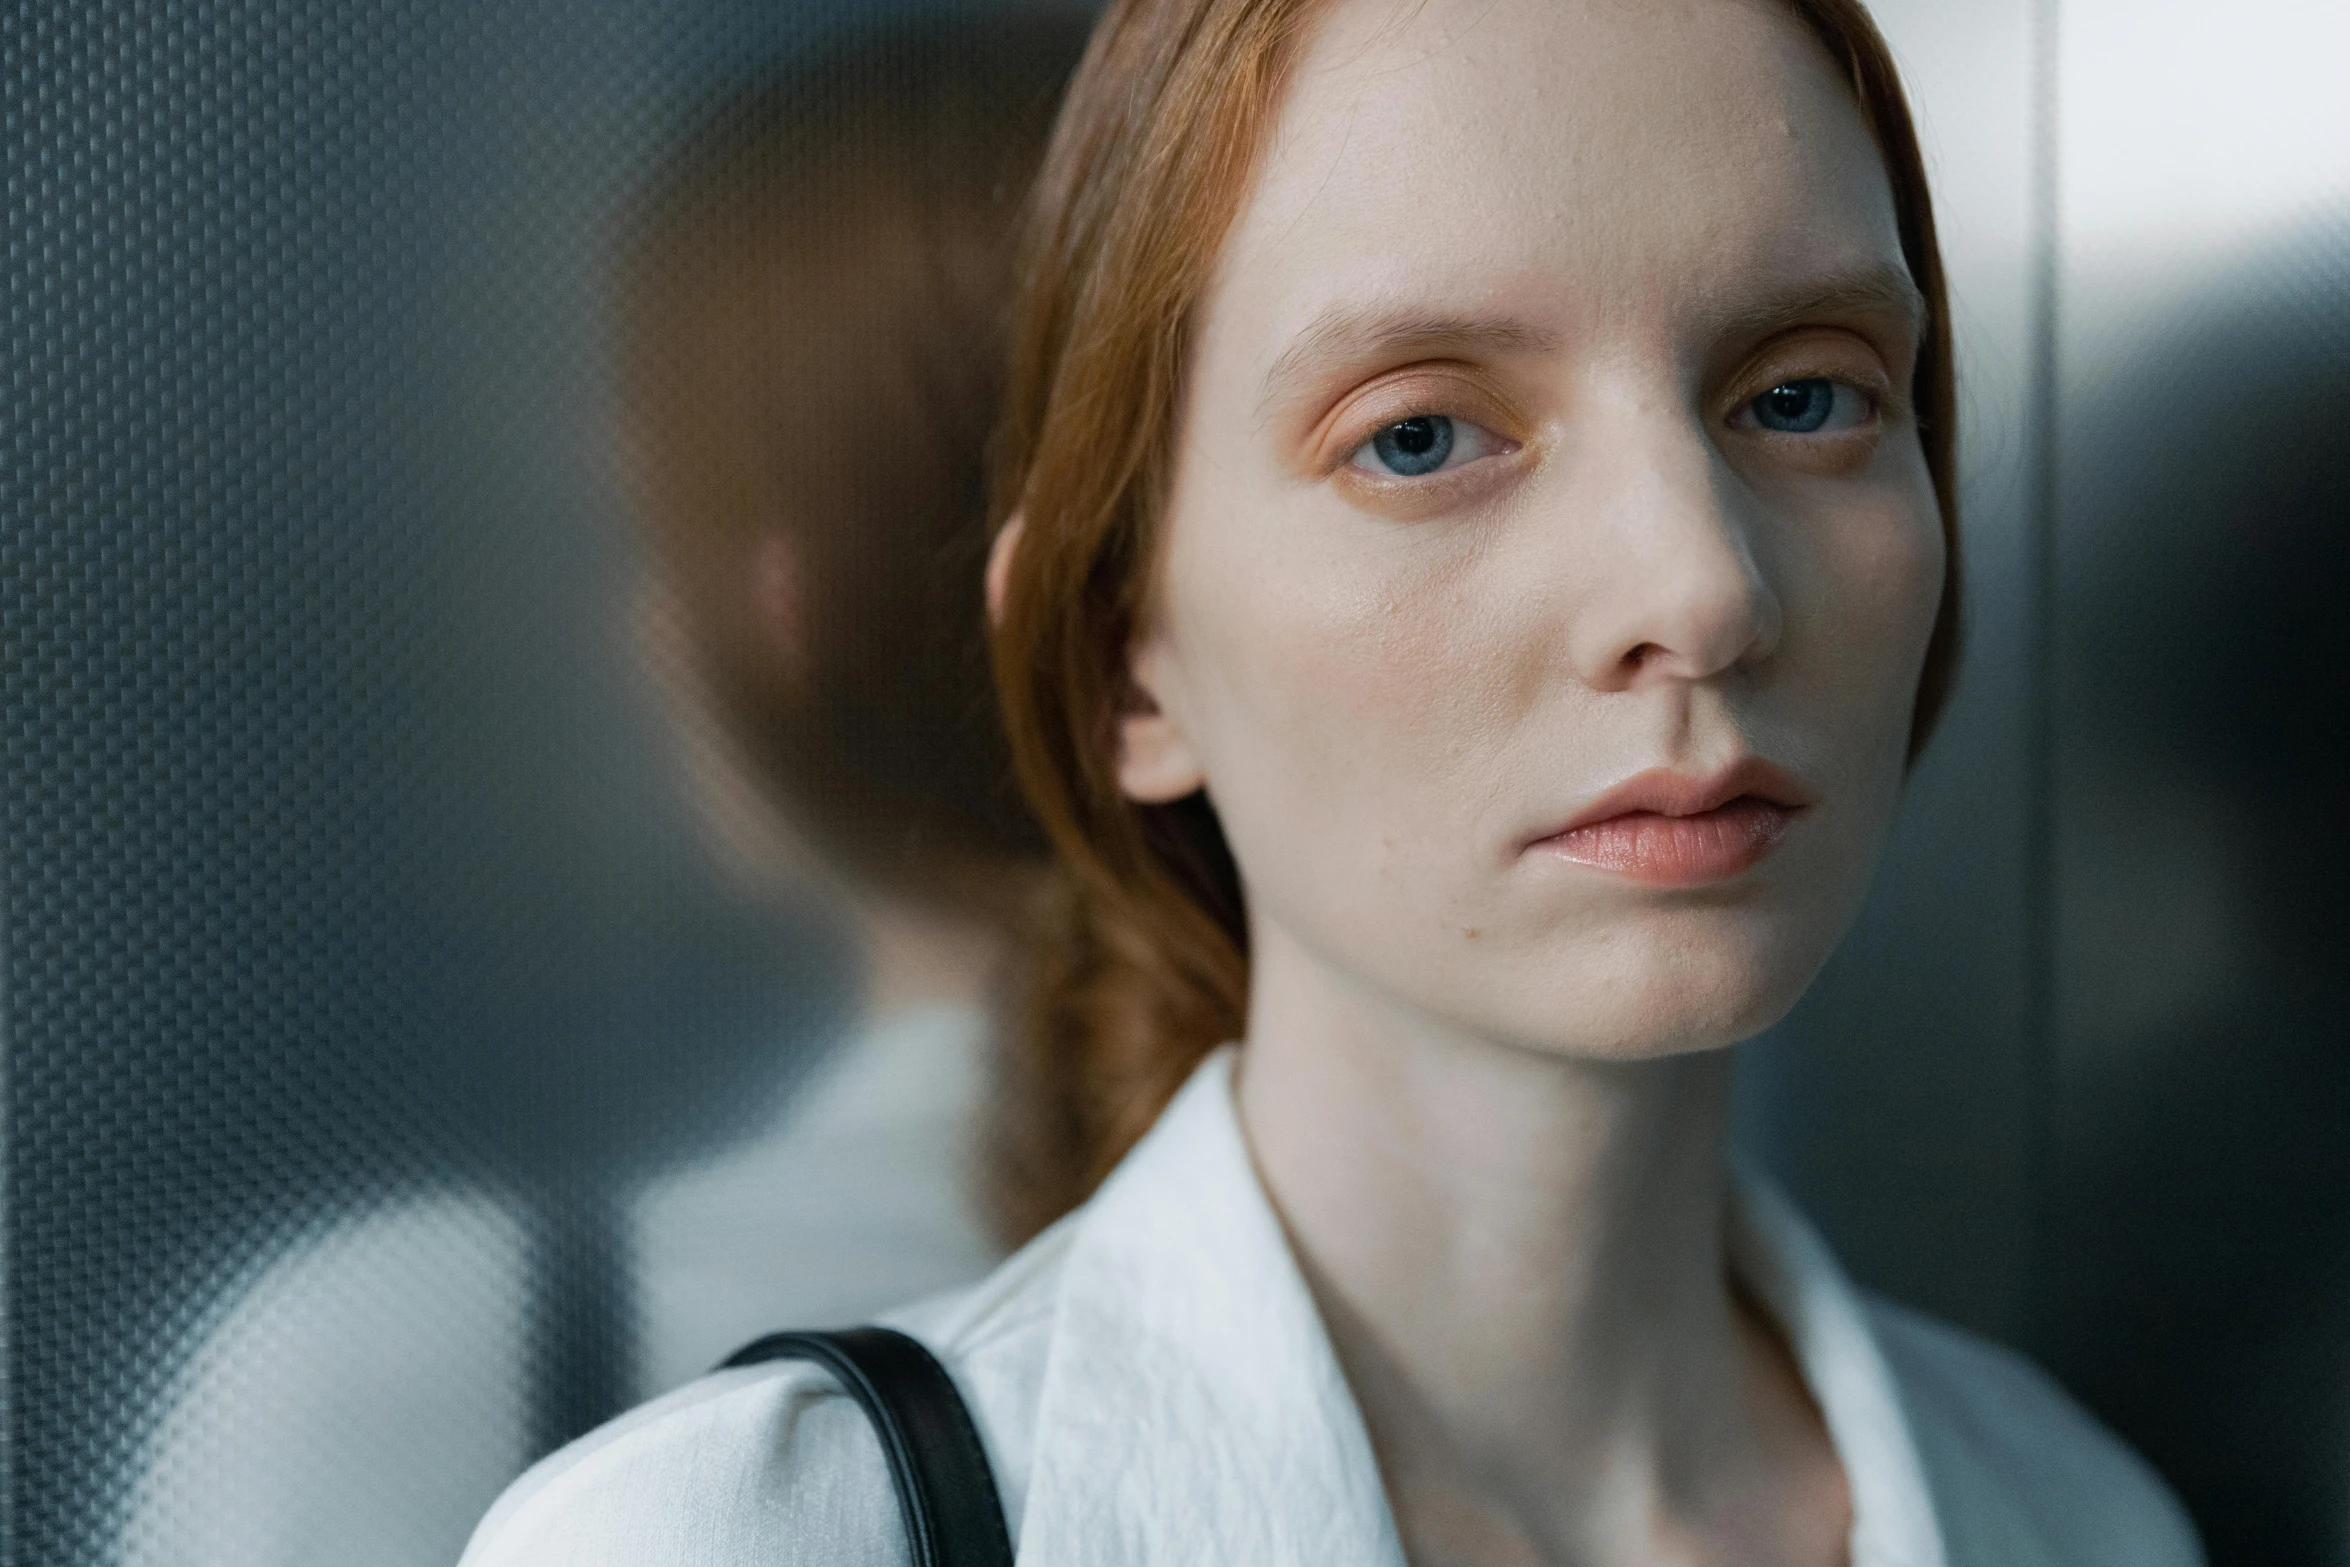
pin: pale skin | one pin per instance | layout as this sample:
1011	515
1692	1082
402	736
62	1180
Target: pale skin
1485	1085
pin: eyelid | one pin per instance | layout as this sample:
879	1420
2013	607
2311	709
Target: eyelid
1825	353
1454	391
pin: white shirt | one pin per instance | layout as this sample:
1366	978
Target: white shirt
1155	1389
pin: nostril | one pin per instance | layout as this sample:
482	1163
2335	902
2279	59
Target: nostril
1641	654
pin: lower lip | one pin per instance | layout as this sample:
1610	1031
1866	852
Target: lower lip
1677	851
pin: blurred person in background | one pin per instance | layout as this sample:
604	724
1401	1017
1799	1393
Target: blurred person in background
811	317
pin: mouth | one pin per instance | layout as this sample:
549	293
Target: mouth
1667	829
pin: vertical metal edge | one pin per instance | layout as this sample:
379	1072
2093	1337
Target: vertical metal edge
2042	510
9	1491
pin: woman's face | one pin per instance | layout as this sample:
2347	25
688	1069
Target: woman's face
1551	555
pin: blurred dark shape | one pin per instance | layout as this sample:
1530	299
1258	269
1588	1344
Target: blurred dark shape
809	318
2199	1218
812	314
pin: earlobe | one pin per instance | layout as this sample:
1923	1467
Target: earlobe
1156	765
779	605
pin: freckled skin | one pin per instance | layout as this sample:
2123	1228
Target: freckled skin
1387	703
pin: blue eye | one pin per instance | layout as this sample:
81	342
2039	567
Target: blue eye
1425	444
1808	406
1414	446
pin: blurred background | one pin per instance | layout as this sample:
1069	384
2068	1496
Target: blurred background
487	924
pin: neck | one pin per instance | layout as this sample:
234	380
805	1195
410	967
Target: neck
1520	1256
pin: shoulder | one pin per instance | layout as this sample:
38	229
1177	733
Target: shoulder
774	1464
766	1464
2018	1470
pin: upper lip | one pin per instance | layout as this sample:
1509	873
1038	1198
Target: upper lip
1664	792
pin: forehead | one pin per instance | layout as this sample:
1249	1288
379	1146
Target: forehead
1588	159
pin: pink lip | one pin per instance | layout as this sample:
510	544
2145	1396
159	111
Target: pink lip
1667	829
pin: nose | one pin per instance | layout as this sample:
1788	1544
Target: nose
1671	586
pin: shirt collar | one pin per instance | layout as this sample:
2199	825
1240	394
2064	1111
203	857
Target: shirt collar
1778	1256
1193	1408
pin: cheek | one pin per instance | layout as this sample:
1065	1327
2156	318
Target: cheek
1875	585
1337	676
1862	597
1902	574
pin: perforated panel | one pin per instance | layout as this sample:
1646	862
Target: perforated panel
358	960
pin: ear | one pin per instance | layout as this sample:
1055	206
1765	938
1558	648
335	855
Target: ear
999	564
1156	763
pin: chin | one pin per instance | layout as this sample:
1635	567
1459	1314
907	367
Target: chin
1671	987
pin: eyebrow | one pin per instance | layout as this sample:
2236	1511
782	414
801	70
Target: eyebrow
1886	291
1347	335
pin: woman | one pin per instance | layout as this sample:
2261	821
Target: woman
1478	566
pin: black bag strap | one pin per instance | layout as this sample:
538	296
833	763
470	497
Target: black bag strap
946	1492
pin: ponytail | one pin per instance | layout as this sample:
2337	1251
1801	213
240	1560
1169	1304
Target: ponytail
1123	998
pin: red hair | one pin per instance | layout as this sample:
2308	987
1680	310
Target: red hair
1142	967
